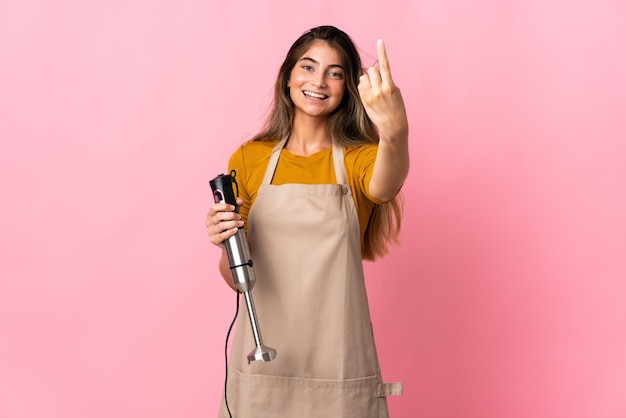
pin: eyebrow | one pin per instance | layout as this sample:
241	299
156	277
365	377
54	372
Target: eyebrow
315	61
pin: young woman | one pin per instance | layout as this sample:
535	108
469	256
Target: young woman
319	192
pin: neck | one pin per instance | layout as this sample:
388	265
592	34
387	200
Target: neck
308	137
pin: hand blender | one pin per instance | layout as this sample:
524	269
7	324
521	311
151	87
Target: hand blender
241	266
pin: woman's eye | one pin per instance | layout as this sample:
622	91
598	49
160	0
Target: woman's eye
335	74
307	67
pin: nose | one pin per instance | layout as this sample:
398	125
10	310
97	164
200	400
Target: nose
319	79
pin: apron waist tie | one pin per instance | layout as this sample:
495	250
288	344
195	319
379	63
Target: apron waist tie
388	389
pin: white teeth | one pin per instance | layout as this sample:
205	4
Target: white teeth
314	95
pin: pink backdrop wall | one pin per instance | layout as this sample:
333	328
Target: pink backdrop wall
506	298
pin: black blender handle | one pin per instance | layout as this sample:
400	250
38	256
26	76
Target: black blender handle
223	192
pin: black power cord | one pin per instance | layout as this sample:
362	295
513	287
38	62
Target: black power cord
230	328
233	174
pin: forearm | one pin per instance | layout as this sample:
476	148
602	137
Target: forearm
391	166
225	270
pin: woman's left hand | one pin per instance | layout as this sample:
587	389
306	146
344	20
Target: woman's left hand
382	99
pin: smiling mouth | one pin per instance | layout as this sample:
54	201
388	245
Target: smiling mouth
316	96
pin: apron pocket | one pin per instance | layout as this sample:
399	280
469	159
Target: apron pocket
261	396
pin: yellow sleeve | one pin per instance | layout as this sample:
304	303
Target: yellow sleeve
249	162
359	162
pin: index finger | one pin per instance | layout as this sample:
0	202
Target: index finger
222	207
383	61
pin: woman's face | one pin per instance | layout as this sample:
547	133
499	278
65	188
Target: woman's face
317	81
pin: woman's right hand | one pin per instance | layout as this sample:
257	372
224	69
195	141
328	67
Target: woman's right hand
222	222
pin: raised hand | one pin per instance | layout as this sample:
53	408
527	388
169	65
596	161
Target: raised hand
382	99
384	105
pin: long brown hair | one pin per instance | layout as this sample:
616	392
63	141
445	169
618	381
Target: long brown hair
348	126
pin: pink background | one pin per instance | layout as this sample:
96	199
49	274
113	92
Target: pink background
507	298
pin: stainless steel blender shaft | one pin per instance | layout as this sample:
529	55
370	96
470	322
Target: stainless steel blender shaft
240	264
260	352
244	279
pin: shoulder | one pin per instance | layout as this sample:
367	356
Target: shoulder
254	148
362	156
361	151
252	152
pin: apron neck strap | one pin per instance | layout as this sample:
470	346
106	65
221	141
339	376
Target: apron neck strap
340	172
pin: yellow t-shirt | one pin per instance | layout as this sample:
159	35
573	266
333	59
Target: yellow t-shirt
251	159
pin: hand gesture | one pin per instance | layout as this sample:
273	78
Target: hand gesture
382	99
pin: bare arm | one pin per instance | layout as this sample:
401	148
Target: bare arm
384	105
222	223
225	270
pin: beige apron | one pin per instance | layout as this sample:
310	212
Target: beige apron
311	304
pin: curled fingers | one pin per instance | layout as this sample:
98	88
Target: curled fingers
222	223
